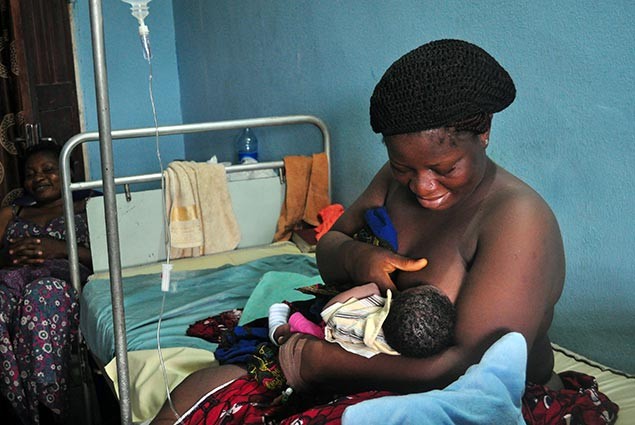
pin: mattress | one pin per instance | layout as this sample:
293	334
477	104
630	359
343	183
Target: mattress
203	287
617	385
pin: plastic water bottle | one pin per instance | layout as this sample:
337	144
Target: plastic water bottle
247	145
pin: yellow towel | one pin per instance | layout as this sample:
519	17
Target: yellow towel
306	193
199	208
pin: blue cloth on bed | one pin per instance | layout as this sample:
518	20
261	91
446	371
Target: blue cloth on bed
489	393
381	226
240	344
200	294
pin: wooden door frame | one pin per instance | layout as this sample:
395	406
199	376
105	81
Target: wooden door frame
27	85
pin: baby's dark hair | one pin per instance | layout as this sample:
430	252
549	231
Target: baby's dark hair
420	322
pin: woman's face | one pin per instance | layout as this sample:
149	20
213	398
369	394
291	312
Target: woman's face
42	177
440	167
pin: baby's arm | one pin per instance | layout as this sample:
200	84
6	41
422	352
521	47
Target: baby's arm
279	329
357	292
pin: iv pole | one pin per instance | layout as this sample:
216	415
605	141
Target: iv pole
110	206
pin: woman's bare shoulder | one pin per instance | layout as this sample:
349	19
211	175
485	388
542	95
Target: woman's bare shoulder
511	197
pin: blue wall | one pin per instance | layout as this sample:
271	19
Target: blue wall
128	78
569	133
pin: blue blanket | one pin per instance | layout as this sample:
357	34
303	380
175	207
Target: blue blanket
489	393
200	294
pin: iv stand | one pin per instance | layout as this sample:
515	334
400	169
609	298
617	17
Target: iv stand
110	205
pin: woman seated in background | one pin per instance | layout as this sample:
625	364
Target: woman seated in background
491	242
39	312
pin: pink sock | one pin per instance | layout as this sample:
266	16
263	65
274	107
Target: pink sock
299	323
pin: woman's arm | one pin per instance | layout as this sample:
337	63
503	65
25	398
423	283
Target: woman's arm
83	252
341	259
37	249
314	365
5	216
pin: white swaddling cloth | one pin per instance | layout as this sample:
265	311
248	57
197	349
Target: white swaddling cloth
199	208
356	325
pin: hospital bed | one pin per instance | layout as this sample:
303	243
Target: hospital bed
257	192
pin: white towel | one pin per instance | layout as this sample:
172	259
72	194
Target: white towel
199	208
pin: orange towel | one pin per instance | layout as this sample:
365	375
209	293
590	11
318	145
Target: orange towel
306	193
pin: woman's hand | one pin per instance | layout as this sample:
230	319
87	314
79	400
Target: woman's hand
369	263
35	250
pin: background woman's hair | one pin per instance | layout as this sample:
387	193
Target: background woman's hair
51	147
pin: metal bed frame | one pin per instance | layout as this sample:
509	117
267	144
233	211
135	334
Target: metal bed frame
105	136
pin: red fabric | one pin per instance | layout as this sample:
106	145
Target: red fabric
579	403
247	402
211	329
327	217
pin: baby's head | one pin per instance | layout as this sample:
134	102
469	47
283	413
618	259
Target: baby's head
420	322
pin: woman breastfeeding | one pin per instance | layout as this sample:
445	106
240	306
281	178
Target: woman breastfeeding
492	245
491	242
38	306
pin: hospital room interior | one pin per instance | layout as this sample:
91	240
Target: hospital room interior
232	64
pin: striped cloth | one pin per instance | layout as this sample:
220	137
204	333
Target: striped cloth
356	325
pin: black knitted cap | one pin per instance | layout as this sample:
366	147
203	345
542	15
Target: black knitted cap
438	84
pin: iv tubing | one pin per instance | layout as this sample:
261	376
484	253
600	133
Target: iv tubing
168	243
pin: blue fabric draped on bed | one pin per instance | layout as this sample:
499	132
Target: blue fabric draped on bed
199	294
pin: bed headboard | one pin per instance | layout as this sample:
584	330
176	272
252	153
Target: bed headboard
256	204
113	209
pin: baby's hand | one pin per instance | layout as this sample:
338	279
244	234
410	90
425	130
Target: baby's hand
282	333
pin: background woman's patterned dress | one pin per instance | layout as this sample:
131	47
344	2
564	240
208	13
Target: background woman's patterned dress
39	316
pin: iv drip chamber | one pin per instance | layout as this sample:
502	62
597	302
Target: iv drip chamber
139	10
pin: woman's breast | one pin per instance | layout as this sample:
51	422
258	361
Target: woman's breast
449	246
446	270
